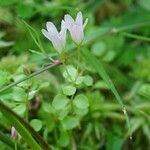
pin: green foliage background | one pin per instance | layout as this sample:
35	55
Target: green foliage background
123	52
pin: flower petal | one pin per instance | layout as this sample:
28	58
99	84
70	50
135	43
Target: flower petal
79	18
51	28
68	21
47	34
63	25
62	36
57	44
77	33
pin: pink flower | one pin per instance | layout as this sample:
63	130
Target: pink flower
14	133
76	27
58	39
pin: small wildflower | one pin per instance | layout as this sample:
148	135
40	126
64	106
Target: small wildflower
76	27
58	39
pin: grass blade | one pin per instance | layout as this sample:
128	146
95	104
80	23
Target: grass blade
19	127
98	67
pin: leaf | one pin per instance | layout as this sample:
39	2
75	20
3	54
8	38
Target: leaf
20	109
60	102
63	113
4	44
19	127
3	77
36	124
98	67
81	101
19	94
80	112
99	48
64	139
8	2
24	10
145	90
70	73
145	4
70	122
69	90
88	80
35	36
48	108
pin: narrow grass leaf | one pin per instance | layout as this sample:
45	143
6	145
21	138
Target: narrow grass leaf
19	127
98	67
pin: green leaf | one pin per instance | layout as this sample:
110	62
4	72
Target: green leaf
63	113
98	49
20	109
101	85
69	90
4	44
88	80
36	124
70	122
19	127
60	102
145	4
79	80
98	67
81	101
19	94
70	73
35	36
80	112
8	2
145	90
3	77
24	10
48	108
64	139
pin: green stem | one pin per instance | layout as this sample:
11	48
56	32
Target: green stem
16	146
56	63
135	36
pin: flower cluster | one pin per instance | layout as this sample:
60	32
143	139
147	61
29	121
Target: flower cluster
75	27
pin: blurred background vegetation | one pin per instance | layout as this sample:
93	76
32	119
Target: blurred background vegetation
124	54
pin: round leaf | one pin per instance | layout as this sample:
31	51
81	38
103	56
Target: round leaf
81	101
70	73
88	80
69	90
60	101
70	122
36	124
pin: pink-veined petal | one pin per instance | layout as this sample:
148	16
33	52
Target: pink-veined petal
79	18
51	28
